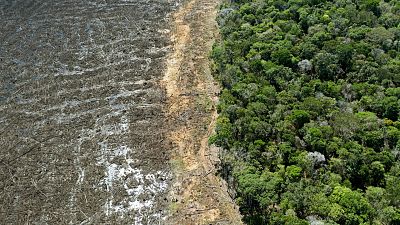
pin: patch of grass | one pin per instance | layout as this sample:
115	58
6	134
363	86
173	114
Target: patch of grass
177	164
204	103
174	207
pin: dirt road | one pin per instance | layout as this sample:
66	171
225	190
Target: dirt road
198	196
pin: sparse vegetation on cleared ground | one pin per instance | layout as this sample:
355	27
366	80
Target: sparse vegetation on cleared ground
105	112
197	195
82	123
309	110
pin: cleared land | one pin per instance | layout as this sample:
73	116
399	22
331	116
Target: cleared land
82	118
105	112
198	196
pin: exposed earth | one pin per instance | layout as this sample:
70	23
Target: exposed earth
198	195
105	111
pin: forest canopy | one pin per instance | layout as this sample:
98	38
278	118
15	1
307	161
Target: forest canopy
309	110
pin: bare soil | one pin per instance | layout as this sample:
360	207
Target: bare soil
106	107
82	123
197	195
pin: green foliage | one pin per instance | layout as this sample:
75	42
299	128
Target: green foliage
309	111
300	117
349	207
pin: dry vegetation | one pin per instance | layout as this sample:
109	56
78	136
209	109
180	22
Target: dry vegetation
198	196
84	122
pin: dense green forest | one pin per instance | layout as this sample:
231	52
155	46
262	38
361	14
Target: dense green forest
309	110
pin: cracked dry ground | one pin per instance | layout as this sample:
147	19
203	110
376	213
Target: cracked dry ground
91	131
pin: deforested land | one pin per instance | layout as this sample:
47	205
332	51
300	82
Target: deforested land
105	112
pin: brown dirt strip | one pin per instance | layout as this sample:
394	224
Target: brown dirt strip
198	196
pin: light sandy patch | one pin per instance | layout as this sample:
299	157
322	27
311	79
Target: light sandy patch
198	195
